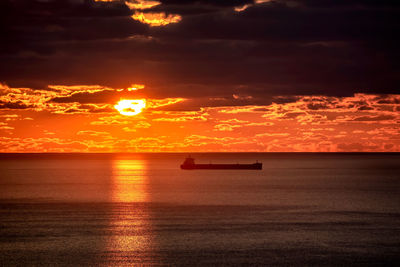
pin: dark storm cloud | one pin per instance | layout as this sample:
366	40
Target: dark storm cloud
187	8
220	3
36	24
279	21
274	48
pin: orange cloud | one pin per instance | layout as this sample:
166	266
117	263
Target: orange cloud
4	126
156	103
68	89
181	119
156	19
31	121
242	8
135	87
113	120
40	145
245	6
95	133
138	125
142	4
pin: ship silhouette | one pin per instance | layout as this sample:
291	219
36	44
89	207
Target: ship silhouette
189	164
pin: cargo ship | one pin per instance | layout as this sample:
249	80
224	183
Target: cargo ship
189	164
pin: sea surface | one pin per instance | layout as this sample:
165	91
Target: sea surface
142	209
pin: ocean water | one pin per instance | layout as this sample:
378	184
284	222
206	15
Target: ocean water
141	209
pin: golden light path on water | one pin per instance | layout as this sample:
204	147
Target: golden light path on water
130	107
129	181
130	223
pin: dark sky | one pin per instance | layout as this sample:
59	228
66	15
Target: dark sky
329	47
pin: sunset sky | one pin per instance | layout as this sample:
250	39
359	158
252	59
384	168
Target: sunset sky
208	75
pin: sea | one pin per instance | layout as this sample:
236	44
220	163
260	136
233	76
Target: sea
301	209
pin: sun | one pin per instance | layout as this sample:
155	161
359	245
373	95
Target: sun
130	107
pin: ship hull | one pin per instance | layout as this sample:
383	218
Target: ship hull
255	166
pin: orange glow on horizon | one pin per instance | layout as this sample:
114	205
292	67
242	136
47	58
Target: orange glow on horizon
315	123
130	107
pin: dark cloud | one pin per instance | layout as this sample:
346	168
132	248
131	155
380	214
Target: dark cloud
389	101
109	96
375	118
14	105
317	106
365	108
293	115
190	8
330	47
220	3
105	96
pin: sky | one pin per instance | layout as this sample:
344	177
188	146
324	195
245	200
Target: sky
205	75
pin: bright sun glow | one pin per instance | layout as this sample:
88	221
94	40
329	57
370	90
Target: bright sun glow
130	107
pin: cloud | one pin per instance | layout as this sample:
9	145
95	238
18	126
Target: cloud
100	96
142	4
156	19
111	120
138	125
151	18
127	129
278	47
182	119
4	126
157	103
224	127
23	98
246	6
42	100
271	134
76	99
13	105
94	133
82	118
375	118
44	144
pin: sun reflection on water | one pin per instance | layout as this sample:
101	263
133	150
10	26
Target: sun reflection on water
130	240
129	181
